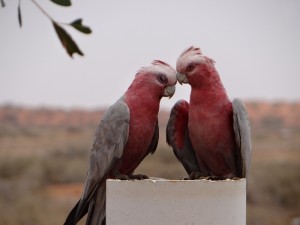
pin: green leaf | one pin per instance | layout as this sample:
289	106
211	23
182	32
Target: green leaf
19	15
62	2
66	40
77	24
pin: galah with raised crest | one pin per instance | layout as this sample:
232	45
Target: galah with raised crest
210	135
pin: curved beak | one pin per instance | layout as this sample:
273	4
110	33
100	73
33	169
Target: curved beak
182	78
169	91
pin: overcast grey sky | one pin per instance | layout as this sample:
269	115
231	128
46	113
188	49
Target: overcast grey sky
256	46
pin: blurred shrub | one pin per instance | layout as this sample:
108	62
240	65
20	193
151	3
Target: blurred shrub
272	122
62	170
69	165
13	167
22	180
284	184
56	167
279	181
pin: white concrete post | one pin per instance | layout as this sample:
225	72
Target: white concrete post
176	202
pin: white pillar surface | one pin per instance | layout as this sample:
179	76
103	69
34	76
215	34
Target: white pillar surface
176	202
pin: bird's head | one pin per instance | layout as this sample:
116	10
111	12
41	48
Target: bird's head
159	77
193	67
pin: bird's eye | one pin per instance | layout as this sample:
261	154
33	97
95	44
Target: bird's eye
162	78
190	67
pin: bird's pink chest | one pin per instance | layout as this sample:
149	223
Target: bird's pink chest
204	129
141	130
140	135
210	120
212	136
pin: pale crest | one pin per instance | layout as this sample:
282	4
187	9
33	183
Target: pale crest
189	55
158	66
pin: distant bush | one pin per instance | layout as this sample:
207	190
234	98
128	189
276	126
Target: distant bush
56	167
63	170
272	122
285	185
280	182
13	167
23	179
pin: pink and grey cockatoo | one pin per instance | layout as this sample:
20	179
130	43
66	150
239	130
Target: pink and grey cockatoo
210	135
127	133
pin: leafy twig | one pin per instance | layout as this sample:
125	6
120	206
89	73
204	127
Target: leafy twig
2	3
62	2
19	13
66	40
42	10
68	43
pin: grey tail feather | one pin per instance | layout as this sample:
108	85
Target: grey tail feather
73	216
97	211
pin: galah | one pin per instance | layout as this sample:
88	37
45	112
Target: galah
210	135
127	133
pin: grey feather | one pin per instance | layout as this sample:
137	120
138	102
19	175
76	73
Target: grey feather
242	137
110	140
186	155
97	212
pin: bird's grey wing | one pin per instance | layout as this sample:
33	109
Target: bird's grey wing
110	139
242	137
178	137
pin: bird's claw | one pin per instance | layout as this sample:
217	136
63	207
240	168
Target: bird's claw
194	176
215	178
219	178
131	177
138	177
201	176
122	177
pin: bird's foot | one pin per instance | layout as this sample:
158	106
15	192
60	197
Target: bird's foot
194	176
231	176
120	176
234	178
221	178
138	177
215	178
130	177
208	178
201	176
